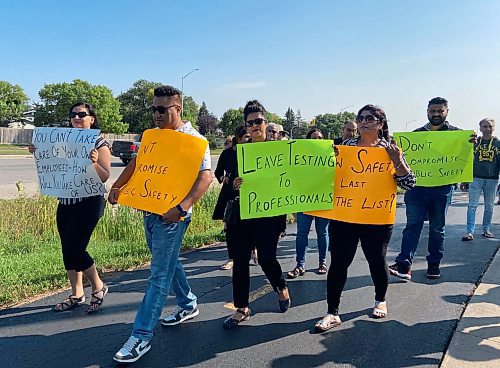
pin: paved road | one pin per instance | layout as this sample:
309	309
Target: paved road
14	169
422	315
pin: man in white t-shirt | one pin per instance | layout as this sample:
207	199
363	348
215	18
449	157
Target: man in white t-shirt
164	235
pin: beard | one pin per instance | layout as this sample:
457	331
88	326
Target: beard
437	120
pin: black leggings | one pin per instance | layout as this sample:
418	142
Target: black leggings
263	233
75	223
344	239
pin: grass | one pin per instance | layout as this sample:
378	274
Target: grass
216	151
30	255
13	149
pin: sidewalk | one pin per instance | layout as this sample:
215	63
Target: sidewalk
476	341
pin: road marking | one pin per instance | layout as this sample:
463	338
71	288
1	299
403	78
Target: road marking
254	295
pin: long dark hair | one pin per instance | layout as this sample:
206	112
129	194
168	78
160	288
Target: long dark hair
90	108
310	133
380	115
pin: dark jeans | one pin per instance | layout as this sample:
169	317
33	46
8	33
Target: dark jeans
263	233
422	201
75	223
344	239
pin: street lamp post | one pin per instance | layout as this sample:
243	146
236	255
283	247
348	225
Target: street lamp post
182	91
408	122
342	110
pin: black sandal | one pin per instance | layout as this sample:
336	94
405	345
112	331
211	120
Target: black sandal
96	302
231	322
69	303
297	271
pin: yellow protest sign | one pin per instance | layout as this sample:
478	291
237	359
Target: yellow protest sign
440	157
364	189
166	168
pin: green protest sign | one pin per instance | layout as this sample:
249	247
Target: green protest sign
439	157
285	177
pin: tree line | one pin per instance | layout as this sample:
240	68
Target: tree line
129	111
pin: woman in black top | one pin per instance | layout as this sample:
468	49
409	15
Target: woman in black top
227	161
263	233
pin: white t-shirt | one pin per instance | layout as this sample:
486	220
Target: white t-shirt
206	163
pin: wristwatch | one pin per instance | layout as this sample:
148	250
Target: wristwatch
182	212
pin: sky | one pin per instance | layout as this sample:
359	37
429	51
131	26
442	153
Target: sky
315	56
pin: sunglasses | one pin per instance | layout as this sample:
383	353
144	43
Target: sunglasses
80	114
367	118
161	109
251	123
272	131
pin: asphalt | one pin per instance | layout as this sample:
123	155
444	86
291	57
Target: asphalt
424	315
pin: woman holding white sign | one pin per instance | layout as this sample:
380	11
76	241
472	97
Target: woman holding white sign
262	233
77	218
344	236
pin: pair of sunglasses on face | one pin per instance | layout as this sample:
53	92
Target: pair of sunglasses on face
251	123
272	131
367	118
80	114
161	109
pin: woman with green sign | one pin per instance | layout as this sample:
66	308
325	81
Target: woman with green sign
344	236
263	233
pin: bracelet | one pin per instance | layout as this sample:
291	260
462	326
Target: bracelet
114	188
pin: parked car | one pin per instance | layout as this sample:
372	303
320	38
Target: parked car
125	150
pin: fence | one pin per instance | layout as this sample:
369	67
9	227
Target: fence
24	136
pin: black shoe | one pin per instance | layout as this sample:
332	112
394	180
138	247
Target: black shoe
132	350
401	271
231	322
284	305
433	272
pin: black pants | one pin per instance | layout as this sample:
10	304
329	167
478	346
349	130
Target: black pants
75	223
344	239
263	233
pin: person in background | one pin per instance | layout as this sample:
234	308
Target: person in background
304	223
260	232
78	217
273	132
164	234
485	178
225	164
350	130
344	236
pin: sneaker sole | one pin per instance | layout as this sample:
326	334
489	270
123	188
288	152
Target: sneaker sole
189	316
134	359
433	277
402	276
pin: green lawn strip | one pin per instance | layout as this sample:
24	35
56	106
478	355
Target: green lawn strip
12	149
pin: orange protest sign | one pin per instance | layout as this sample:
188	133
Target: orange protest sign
365	189
166	168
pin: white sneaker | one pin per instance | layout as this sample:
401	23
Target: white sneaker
179	315
132	350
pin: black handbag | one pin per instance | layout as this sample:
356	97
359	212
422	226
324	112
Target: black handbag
232	212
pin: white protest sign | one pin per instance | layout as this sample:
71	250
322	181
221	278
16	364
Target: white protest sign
63	162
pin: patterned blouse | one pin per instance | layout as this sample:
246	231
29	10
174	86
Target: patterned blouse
405	182
100	142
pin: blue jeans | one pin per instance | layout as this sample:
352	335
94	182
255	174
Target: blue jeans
303	226
164	241
488	187
420	201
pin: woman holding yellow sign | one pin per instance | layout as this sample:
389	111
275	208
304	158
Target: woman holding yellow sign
344	236
263	233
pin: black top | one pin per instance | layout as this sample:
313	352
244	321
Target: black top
445	126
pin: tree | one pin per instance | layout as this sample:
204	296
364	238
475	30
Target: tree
300	129
230	120
332	124
274	118
289	121
135	104
190	110
13	102
207	122
57	98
